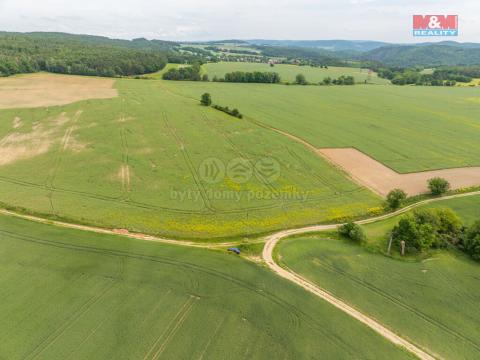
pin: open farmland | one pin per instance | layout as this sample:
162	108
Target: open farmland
408	129
71	294
135	162
289	72
431	302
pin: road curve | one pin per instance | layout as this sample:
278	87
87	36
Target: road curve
272	241
267	255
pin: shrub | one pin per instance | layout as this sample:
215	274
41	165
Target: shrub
438	186
225	109
395	198
206	99
300	79
352	231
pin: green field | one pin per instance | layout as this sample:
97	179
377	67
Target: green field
289	72
135	162
69	294
433	302
407	128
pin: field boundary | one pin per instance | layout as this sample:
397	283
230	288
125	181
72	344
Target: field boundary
381	179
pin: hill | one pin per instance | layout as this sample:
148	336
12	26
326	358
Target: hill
428	55
79	54
333	45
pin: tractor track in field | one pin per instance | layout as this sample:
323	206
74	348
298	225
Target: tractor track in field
287	307
270	242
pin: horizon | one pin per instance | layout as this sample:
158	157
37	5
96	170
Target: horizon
426	40
186	20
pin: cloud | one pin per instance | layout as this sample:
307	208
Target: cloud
388	20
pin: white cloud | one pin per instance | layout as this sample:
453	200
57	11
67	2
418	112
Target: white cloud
388	20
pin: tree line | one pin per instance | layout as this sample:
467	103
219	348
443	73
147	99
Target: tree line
206	100
446	76
251	77
187	73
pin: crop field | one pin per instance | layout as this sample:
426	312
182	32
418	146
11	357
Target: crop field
289	72
432	302
408	129
137	161
48	90
70	294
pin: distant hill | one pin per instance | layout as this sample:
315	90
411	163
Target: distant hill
333	45
428	55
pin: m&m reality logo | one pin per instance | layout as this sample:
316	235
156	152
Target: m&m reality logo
435	25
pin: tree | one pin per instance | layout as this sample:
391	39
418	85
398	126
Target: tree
424	229
471	241
327	81
206	99
300	79
205	77
438	186
352	231
395	198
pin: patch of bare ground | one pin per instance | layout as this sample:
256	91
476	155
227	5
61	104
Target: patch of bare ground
42	89
381	179
23	143
124	176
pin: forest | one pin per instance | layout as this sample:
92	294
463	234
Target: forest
83	55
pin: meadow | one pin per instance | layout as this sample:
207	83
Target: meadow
135	162
432	302
408	129
70	294
289	72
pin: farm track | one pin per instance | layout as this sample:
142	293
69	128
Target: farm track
189	162
267	255
125	169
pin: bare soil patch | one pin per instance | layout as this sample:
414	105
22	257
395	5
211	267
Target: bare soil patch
36	90
381	179
26	141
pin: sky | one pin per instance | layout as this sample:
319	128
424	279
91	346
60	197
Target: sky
182	20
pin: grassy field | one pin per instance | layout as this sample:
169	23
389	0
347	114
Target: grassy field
289	72
433	302
69	294
136	162
406	128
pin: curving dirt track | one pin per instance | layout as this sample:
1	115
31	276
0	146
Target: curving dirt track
290	275
267	255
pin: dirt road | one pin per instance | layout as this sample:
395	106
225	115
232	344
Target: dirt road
290	275
267	255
